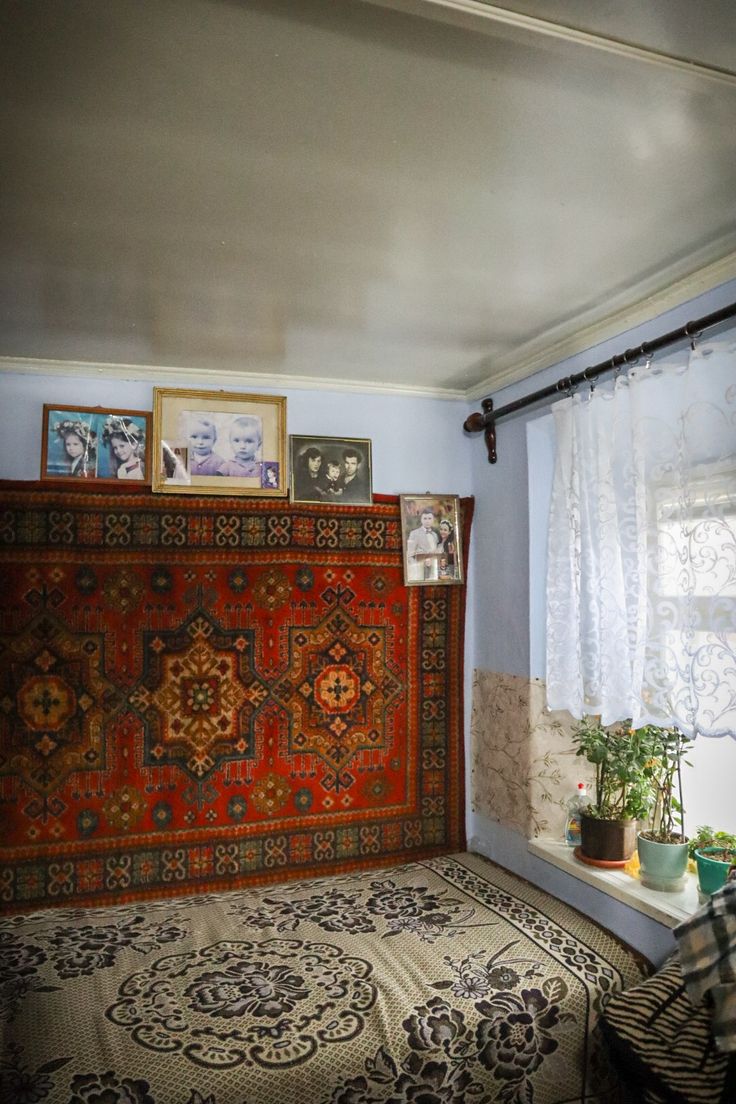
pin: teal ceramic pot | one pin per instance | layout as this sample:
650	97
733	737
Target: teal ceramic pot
712	871
662	865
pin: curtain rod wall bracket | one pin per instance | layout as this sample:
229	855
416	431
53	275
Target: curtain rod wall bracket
486	421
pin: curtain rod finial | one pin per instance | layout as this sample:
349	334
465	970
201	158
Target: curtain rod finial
474	423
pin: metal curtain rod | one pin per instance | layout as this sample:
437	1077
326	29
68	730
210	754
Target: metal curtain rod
486	420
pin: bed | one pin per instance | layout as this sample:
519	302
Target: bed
448	981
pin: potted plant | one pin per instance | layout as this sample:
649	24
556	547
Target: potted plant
622	793
714	854
663	848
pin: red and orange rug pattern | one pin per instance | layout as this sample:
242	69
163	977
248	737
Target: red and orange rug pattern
202	692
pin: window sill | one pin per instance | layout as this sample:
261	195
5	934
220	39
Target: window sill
666	908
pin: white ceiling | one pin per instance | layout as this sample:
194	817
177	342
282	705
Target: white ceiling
439	195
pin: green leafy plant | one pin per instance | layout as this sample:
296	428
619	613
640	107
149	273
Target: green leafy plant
619	753
668	747
707	837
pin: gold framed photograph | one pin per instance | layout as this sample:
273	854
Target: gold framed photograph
331	469
432	539
218	442
102	446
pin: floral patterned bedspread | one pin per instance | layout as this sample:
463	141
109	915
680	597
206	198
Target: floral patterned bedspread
443	982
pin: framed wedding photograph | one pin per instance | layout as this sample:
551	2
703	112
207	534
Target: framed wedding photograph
102	446
431	539
219	442
331	469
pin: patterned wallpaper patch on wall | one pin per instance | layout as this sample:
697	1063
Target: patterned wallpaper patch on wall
523	762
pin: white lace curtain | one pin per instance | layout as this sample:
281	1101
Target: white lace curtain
641	570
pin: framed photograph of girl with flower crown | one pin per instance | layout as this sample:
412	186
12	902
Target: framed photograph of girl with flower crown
91	443
218	442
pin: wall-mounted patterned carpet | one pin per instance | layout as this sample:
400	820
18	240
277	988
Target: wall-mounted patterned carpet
202	692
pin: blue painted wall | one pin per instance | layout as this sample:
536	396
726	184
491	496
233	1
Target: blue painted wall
417	443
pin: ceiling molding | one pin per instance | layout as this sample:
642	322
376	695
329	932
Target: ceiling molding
554	351
474	14
203	377
555	347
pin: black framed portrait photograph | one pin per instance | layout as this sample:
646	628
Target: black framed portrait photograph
331	469
432	540
92	443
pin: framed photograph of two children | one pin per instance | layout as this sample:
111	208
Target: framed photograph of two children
95	444
432	540
218	442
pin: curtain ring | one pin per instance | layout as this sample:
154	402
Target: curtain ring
647	354
587	379
693	335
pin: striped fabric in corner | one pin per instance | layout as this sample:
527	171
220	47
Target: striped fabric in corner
707	944
663	1046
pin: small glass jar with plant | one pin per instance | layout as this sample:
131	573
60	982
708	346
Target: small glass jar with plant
623	790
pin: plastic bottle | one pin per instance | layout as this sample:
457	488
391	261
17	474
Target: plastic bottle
575	806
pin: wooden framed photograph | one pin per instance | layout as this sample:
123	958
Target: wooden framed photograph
331	469
219	442
106	446
432	540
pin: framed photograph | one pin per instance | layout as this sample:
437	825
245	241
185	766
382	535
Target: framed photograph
432	540
331	469
219	442
107	446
